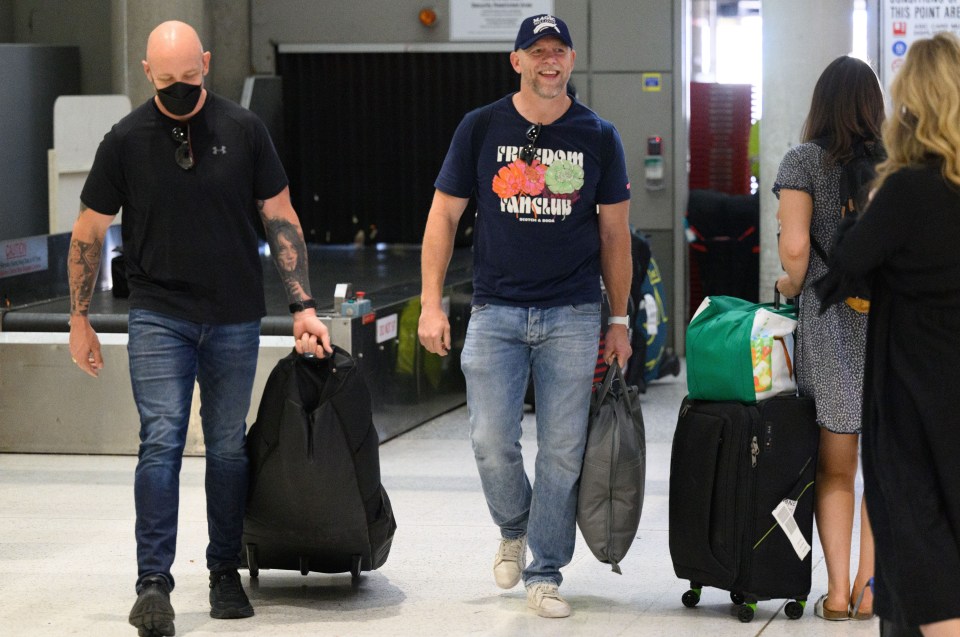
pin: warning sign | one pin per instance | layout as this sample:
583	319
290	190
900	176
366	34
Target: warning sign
904	21
21	256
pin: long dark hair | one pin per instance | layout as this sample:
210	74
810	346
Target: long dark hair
846	109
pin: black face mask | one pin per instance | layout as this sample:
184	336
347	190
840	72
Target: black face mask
180	98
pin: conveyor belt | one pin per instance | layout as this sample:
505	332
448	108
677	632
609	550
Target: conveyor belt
386	274
60	410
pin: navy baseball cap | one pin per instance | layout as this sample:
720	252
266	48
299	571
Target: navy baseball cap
540	26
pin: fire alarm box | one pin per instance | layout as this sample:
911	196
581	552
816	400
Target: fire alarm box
653	164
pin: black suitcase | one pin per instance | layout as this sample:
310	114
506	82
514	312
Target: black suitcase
315	499
730	467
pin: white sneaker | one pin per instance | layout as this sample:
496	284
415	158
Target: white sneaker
544	597
510	561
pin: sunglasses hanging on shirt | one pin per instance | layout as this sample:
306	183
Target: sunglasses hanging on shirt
529	152
184	153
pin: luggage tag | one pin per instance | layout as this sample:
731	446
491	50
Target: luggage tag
783	514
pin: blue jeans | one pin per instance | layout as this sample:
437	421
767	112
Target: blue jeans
558	345
167	355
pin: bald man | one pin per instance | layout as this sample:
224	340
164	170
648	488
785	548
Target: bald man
195	175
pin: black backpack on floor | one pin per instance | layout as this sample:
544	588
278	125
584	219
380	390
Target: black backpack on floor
315	499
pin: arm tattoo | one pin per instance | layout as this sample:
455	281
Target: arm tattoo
289	255
83	265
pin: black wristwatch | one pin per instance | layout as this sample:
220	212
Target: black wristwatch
299	306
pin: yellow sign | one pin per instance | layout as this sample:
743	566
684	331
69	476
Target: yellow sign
652	82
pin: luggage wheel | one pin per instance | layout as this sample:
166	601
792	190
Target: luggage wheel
746	612
692	597
794	608
355	564
252	560
304	565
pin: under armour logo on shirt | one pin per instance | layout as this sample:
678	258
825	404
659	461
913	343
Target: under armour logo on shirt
219	150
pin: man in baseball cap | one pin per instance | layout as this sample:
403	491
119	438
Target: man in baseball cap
539	26
552	218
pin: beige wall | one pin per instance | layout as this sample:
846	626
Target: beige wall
85	24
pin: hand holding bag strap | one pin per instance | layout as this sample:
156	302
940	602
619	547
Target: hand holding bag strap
318	370
339	360
601	392
614	372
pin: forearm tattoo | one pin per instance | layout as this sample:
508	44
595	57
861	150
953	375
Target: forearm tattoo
290	256
83	264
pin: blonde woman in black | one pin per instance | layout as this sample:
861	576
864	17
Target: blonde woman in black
907	245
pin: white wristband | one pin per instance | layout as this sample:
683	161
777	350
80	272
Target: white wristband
619	320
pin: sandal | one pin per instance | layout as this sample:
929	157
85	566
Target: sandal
855	609
821	611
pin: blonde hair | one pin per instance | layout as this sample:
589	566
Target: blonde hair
925	123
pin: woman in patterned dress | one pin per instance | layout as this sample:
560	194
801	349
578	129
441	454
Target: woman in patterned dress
844	120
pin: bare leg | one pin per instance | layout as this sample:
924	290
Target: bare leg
946	628
835	489
865	568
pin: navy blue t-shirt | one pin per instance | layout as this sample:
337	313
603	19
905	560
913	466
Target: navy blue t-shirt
189	236
536	236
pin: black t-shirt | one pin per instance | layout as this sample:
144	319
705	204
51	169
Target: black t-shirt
189	236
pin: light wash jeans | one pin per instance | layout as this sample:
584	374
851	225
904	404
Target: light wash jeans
167	355
558	345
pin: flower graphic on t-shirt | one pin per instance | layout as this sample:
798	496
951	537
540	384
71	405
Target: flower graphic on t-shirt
519	177
564	177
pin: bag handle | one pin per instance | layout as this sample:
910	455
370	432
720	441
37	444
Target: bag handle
330	360
786	355
613	373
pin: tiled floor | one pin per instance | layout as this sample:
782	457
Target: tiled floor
67	556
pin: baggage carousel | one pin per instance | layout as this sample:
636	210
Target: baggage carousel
48	406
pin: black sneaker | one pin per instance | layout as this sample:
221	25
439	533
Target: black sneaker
152	613
227	599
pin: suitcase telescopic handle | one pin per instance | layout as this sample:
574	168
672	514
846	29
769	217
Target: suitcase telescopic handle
776	298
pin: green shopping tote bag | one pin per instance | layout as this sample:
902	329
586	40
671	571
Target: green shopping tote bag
738	350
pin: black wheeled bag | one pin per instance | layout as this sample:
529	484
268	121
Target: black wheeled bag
732	465
315	499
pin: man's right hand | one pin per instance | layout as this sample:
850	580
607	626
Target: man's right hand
434	330
85	346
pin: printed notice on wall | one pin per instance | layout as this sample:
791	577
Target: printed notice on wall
904	21
386	328
492	20
21	256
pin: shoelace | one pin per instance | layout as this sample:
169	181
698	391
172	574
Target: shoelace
544	591
510	550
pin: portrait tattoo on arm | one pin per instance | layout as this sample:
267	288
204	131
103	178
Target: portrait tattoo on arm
290	256
83	264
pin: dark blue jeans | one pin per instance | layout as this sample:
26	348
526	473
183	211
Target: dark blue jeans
167	355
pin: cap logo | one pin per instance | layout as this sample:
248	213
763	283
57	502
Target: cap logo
545	22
